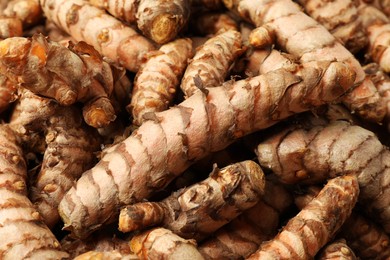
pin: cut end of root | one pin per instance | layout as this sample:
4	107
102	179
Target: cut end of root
165	28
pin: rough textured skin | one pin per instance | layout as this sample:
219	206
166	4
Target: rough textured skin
23	233
108	255
7	92
124	10
366	238
316	224
163	148
383	5
156	82
101	242
301	36
159	20
243	235
382	83
29	12
162	20
10	27
70	150
107	35
211	62
160	243
377	26
76	73
211	23
199	210
314	154
341	18
337	250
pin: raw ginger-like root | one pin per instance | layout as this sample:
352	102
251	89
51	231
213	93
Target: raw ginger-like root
243	235
194	213
261	37
29	12
159	20
377	26
337	250
365	237
107	255
107	35
156	82
300	35
10	27
316	224
313	154
211	63
8	92
341	18
382	82
163	148
383	5
161	243
70	150
211	23
23	233
76	73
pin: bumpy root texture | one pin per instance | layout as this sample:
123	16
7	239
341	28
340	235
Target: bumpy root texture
161	243
301	36
382	83
337	250
211	62
197	211
159	20
307	232
383	5
366	238
10	27
261	37
107	35
23	233
156	82
29	12
8	92
377	26
70	150
341	18
163	148
104	241
76	73
162	20
243	235
107	255
314	154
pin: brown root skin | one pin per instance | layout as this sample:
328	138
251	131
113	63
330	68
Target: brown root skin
341	18
301	36
210	23
24	234
337	250
318	152
162	20
212	62
160	243
110	37
71	148
365	237
76	73
163	148
156	82
29	12
10	27
8	93
123	10
306	233
243	235
194	213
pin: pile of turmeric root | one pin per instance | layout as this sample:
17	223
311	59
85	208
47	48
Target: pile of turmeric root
194	129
